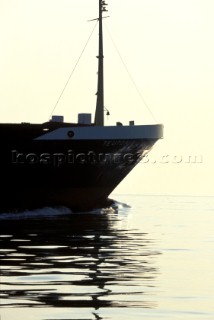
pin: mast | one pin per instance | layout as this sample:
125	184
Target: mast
99	114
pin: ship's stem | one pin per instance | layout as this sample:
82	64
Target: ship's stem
99	114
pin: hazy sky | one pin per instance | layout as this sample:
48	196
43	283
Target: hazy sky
168	49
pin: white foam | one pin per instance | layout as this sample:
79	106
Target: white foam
49	212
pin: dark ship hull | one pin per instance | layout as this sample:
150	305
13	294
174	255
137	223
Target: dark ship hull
59	164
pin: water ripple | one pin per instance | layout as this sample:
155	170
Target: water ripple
76	260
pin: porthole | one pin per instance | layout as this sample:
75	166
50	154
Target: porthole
70	134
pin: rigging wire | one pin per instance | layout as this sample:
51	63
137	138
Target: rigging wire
72	72
130	76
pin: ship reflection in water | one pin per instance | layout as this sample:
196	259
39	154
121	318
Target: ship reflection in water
85	260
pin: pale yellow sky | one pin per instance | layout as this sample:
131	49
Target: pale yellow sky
168	48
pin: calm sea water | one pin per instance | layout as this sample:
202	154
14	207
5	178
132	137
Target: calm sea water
153	260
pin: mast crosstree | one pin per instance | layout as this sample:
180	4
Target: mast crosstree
99	114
